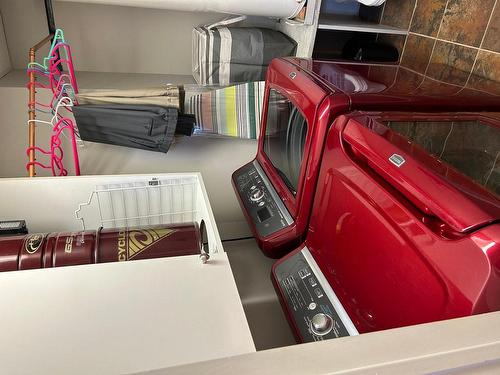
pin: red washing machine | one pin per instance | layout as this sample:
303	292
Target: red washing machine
405	225
303	99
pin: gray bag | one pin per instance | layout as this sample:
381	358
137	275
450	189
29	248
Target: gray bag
147	127
223	56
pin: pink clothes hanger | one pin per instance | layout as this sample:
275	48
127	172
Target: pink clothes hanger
58	68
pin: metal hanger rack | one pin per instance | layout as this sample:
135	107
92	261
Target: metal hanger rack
64	89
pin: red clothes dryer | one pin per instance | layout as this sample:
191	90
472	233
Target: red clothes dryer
303	99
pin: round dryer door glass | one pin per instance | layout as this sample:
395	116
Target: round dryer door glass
284	139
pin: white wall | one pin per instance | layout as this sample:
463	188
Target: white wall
14	133
130	40
5	65
25	25
107	38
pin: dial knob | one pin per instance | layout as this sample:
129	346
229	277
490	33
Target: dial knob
256	195
321	324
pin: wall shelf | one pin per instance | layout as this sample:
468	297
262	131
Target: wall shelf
344	28
103	80
327	30
354	23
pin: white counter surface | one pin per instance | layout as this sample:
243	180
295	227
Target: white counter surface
120	317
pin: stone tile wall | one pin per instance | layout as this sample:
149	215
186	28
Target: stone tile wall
447	34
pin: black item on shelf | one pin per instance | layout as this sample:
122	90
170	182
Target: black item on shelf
363	50
370	13
185	124
147	127
13	227
329	43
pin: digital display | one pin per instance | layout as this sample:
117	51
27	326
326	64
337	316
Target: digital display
264	214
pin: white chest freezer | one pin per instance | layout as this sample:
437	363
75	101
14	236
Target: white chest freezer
117	317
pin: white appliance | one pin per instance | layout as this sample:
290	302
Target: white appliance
269	8
118	317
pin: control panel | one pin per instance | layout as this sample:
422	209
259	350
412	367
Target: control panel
317	312
261	201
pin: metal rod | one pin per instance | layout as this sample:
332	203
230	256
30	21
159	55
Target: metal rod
31	108
148	216
32	116
41	43
141	187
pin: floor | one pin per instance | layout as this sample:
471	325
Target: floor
252	270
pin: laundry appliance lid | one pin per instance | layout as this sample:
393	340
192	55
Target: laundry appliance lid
377	86
435	187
